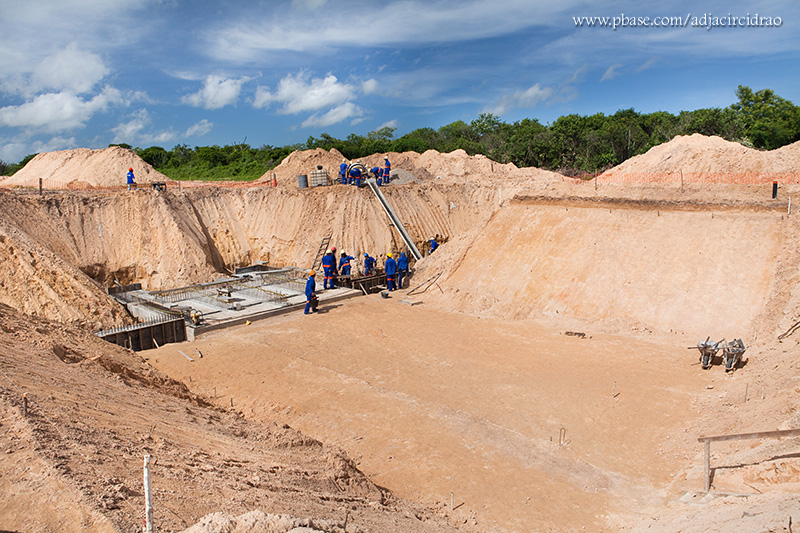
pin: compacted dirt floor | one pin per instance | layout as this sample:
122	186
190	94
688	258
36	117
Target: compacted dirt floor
518	426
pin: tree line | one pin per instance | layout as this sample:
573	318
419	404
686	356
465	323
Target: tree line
573	145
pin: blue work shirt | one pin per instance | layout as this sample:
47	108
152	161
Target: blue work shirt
311	287
390	266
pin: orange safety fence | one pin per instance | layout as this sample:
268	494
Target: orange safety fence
697	178
50	184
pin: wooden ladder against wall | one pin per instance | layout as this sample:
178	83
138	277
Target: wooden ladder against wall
323	248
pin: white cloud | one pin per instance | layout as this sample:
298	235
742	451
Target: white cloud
53	112
526	99
55	143
611	72
370	86
334	116
134	131
129	131
390	124
16	151
217	92
70	69
308	4
299	94
199	129
324	27
646	65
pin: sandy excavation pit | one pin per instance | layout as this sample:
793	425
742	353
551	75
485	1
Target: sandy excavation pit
430	402
466	392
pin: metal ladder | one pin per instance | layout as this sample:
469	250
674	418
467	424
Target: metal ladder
323	248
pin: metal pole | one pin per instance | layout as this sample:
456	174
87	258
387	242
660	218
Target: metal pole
373	185
148	497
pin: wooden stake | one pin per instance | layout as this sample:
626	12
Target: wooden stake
148	497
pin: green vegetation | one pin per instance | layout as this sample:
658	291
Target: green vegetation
237	162
574	144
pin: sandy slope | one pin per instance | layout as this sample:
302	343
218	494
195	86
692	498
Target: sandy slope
95	410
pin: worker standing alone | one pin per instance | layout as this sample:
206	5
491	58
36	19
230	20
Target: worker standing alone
391	271
434	245
131	179
387	170
343	171
311	294
328	266
402	269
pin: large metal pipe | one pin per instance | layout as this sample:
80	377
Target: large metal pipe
393	217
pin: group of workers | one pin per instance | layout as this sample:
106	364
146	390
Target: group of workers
395	271
351	174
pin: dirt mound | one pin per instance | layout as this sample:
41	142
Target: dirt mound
453	167
303	162
699	154
82	167
94	410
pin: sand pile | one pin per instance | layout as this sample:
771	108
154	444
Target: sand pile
83	168
701	155
453	167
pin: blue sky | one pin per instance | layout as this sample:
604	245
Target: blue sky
87	73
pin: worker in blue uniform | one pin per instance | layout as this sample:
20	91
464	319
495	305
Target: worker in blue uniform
387	170
377	172
402	269
355	176
434	245
390	266
369	264
131	179
311	293
344	264
328	265
343	171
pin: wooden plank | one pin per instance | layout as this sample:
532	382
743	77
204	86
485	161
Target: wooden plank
186	356
758	435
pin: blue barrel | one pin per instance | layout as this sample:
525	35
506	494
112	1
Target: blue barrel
302	181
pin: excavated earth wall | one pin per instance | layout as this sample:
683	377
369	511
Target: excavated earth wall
695	268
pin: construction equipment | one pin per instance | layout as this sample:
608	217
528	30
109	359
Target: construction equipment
708	349
732	354
365	173
373	185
